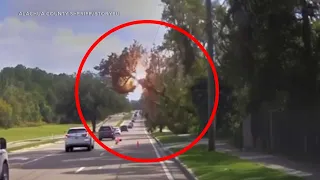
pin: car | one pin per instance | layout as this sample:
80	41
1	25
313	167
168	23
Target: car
124	128
132	120
4	160
78	137
130	125
117	131
106	132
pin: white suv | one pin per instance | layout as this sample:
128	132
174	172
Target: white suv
4	162
78	137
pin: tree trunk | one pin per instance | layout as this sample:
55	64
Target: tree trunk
211	133
94	123
160	128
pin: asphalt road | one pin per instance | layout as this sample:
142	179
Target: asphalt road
51	162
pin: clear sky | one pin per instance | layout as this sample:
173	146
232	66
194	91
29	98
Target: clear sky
58	43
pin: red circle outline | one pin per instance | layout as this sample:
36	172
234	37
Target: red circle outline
136	22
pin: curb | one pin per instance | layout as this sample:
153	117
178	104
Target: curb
185	170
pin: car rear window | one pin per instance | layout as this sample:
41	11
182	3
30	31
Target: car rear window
105	128
74	131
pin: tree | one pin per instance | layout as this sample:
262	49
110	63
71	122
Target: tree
31	96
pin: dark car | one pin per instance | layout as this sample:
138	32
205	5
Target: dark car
106	132
124	128
130	125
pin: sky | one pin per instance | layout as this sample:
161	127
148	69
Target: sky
57	44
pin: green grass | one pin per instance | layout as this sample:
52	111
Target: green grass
169	137
127	116
32	145
119	123
21	133
220	166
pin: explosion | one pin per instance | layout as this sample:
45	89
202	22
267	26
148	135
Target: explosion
125	70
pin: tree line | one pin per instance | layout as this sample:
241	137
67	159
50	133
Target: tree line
31	97
267	55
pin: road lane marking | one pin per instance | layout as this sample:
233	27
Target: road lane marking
19	158
37	159
101	154
100	167
164	166
81	159
80	169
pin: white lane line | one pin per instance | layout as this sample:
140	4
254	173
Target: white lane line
164	166
37	159
80	169
100	167
19	158
103	153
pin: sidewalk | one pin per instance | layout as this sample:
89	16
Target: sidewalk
269	161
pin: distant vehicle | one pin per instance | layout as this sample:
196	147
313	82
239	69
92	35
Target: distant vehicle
78	137
133	120
117	131
4	162
106	132
124	128
130	125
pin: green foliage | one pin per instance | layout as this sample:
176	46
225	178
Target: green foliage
267	55
31	96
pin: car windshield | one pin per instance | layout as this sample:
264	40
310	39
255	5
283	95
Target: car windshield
76	131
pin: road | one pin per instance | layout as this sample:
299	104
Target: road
51	162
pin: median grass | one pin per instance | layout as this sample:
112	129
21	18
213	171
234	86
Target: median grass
216	165
119	123
32	145
127	116
22	133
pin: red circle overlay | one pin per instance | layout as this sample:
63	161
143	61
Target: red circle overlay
216	83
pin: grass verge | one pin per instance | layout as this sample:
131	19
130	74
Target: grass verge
22	133
215	165
32	145
169	137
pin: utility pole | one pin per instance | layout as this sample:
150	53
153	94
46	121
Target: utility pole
211	90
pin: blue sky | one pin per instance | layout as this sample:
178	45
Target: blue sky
58	43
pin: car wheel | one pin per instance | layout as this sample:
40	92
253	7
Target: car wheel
5	172
113	138
67	149
89	148
70	149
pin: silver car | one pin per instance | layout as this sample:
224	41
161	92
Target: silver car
4	162
78	137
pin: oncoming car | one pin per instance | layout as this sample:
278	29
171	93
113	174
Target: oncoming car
78	137
4	162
